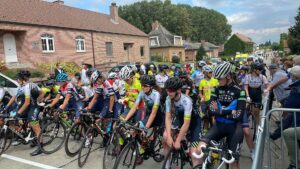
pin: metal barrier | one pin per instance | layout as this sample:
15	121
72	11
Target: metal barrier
263	138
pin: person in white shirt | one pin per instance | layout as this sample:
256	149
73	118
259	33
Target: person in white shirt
162	77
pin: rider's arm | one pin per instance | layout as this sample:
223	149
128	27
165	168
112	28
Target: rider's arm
55	100
135	106
277	82
154	110
247	85
168	119
201	92
66	101
111	103
93	101
188	108
11	101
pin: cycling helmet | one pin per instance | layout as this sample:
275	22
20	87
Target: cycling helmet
148	80
50	83
96	74
23	74
173	83
112	75
134	68
222	70
89	72
201	63
250	59
207	68
126	72
61	77
182	74
244	68
172	67
257	66
151	66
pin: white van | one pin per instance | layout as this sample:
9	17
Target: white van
9	84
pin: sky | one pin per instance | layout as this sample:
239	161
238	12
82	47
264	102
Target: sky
261	20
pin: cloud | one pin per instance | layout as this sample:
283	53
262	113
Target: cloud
239	18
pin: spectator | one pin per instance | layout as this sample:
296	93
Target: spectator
279	83
85	80
296	60
58	69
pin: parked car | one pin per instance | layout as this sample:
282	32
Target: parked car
9	84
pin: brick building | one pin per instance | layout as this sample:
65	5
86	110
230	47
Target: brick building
191	49
164	44
36	31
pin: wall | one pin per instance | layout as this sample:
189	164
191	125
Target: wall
167	53
29	49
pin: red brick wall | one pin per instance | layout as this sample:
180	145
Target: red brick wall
190	55
65	47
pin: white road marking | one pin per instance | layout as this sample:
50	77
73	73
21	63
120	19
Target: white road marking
40	165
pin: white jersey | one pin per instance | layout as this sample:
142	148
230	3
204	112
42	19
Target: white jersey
119	86
160	80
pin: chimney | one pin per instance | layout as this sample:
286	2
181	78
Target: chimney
155	25
60	2
114	13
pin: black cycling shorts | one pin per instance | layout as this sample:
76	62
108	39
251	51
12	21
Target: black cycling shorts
255	94
233	133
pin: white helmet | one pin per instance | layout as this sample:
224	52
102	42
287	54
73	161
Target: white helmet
125	72
151	66
222	70
134	68
112	75
95	75
207	68
201	63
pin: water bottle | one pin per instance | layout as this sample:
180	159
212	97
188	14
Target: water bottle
108	126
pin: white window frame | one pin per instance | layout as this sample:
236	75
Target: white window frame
178	37
156	38
77	40
47	37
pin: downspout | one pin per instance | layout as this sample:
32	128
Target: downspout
93	49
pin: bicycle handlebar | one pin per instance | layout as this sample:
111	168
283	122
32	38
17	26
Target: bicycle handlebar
198	156
207	149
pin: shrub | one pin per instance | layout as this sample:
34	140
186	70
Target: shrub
175	59
69	67
34	73
2	66
156	58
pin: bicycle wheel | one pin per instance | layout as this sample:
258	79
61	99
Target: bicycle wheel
127	157
175	160
3	135
52	137
253	127
112	150
74	139
86	146
157	147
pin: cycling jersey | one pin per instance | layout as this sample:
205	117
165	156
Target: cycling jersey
206	86
52	91
120	87
197	76
255	81
160	80
187	85
151	101
170	73
132	92
137	76
184	111
69	89
150	72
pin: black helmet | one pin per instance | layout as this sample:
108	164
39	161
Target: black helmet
173	83
50	82
23	74
182	74
244	68
162	67
148	80
257	66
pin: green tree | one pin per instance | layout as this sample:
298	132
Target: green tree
175	59
294	35
234	45
200	54
195	22
283	36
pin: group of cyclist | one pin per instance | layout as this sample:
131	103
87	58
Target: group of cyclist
203	103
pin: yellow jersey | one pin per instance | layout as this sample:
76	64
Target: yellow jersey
132	92
137	76
170	73
206	86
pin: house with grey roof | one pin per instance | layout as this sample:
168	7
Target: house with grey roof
34	32
164	44
191	49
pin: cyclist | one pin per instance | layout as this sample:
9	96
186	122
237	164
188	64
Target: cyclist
70	95
27	98
151	70
188	86
162	77
205	87
170	72
254	81
198	75
180	115
132	88
228	103
50	90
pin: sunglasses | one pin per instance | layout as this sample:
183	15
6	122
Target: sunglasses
171	90
144	85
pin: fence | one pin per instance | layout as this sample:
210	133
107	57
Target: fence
263	139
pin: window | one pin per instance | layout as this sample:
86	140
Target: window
177	40
47	43
154	41
80	44
109	49
142	51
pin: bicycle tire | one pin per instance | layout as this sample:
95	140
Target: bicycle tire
3	135
89	137
112	150
157	146
254	127
53	127
175	157
130	146
75	135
